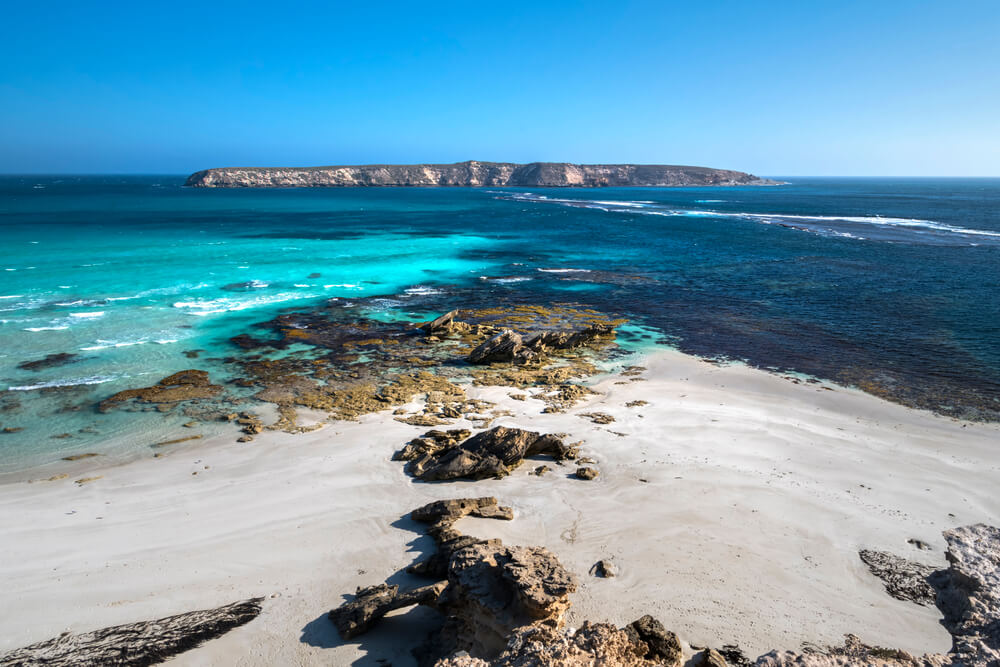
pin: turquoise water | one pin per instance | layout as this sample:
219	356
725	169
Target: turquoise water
890	285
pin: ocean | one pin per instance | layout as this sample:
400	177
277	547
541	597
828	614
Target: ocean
883	284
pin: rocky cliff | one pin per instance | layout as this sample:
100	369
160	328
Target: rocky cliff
473	174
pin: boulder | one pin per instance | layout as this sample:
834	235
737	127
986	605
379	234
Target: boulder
663	647
494	590
491	453
181	386
441	515
372	603
709	658
506	347
449	511
592	644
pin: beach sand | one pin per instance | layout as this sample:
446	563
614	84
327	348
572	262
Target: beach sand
733	504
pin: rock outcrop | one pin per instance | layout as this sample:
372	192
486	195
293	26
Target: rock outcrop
473	174
181	386
487	591
441	516
372	603
494	590
969	594
509	346
440	455
663	647
136	644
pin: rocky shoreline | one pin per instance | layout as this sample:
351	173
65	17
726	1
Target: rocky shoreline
474	174
498	605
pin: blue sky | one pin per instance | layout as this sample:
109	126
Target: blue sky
775	88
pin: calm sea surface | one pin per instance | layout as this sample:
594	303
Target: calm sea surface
890	285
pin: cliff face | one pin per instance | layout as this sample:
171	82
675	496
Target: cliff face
473	174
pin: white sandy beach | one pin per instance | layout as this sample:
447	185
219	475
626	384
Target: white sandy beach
734	505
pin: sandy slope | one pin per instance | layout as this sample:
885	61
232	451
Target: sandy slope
734	505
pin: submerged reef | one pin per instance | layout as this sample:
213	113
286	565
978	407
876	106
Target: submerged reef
337	361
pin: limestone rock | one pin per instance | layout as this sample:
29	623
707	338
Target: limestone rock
182	386
441	515
449	511
136	644
506	347
509	346
597	417
491	453
372	603
969	594
663	646
494	590
586	473
441	325
709	658
591	645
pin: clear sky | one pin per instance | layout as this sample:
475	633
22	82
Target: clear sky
775	88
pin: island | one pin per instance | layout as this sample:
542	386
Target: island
474	174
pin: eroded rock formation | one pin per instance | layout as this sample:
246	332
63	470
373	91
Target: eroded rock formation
504	606
969	594
509	346
372	603
181	386
442	455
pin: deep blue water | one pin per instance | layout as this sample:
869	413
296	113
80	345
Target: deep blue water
887	284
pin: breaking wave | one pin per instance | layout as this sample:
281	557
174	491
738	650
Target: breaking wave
867	227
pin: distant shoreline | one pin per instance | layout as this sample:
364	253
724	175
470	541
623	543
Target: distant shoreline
475	174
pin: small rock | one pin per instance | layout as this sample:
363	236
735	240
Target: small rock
709	658
77	457
586	473
663	647
604	569
597	417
